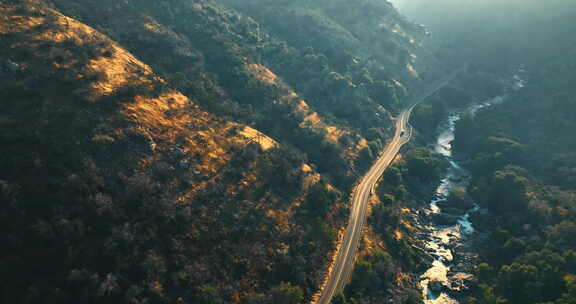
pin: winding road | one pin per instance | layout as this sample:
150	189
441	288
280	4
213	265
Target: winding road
340	274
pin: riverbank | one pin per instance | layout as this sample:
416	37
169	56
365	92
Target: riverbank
444	226
403	239
521	154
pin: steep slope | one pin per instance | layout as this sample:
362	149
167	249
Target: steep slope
366	42
190	151
117	188
207	49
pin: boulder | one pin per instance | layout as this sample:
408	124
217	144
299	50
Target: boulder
462	281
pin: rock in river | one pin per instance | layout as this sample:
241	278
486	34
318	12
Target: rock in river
462	281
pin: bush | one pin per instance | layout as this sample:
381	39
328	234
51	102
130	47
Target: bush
287	293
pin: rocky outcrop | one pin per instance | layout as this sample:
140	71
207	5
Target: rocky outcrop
461	285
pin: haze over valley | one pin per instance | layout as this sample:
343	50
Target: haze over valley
287	152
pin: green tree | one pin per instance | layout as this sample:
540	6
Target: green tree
465	133
513	247
489	296
364	279
484	272
365	158
458	198
339	299
569	297
286	293
318	201
509	190
208	294
422	164
519	282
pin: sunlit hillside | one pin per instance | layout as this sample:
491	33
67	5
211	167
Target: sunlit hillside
287	152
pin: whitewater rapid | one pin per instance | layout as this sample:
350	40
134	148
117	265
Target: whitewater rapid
440	239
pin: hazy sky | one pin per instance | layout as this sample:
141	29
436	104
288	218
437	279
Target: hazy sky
524	26
489	13
447	7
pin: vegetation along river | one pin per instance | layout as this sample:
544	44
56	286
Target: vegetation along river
448	225
448	232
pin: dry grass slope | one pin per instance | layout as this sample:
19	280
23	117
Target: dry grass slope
101	112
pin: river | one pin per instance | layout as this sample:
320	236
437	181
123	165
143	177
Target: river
447	274
440	240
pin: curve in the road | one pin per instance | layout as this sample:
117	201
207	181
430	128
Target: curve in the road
342	270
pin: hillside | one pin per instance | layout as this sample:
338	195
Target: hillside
116	187
249	72
522	156
181	151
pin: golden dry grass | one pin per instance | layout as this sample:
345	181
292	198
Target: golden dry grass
403	279
282	219
309	119
306	168
169	118
264	141
371	243
263	73
116	71
166	116
153	27
312	120
398	235
10	23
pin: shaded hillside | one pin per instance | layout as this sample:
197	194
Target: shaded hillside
117	188
523	159
365	42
